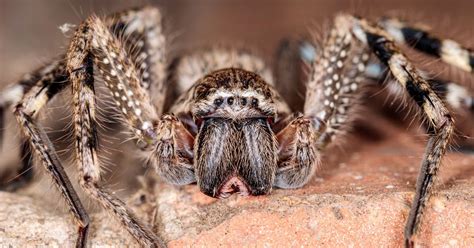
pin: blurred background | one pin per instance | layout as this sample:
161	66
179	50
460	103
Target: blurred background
29	31
29	37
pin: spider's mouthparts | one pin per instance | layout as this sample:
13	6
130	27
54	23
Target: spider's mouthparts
233	185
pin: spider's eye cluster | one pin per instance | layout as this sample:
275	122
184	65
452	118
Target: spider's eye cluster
231	100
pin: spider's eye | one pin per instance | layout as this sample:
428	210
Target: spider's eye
230	100
254	102
243	101
218	101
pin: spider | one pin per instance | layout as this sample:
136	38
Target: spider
229	131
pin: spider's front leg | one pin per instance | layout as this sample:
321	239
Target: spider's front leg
49	80
440	123
331	91
94	43
34	99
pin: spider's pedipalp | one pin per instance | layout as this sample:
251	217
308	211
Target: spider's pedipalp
298	152
172	156
448	50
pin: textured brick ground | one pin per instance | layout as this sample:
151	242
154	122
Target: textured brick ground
360	198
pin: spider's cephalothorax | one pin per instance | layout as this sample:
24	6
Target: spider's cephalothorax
233	107
229	130
233	112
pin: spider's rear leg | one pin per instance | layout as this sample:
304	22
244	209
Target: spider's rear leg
419	38
25	112
334	79
439	121
458	97
51	78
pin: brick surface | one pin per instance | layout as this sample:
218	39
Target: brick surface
359	198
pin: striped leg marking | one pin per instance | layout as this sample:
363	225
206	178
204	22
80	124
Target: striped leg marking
439	120
448	50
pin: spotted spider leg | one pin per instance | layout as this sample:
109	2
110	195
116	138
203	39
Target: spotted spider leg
141	33
439	121
94	43
457	96
51	78
329	94
419	38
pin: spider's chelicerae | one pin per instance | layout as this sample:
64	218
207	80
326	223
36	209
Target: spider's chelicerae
229	130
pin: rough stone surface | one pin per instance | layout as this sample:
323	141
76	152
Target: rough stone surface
360	198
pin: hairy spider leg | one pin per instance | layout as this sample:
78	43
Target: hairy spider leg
448	50
141	33
330	94
51	78
25	112
94	43
439	121
455	95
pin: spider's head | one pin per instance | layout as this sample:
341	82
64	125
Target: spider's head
232	94
235	149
